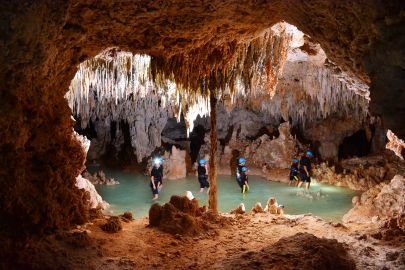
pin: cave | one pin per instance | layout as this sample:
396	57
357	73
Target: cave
356	145
197	45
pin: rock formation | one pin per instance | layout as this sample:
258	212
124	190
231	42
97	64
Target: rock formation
385	200
395	144
95	199
360	173
240	210
99	178
273	207
179	216
175	164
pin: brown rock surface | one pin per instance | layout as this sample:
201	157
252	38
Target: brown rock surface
300	251
360	173
179	216
112	225
385	200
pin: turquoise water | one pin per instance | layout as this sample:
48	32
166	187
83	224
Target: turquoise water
134	194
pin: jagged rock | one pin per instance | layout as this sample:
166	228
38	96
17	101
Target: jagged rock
99	178
385	200
359	173
273	207
179	216
127	216
395	144
175	164
258	208
320	132
112	225
95	199
273	153
264	152
240	210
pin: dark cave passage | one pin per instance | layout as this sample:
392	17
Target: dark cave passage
196	140
355	145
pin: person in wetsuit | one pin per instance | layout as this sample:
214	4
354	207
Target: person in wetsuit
244	185
202	175
241	164
156	176
305	169
294	173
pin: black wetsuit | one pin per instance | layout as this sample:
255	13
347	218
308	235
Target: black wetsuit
203	177
238	175
243	181
305	161
157	174
294	172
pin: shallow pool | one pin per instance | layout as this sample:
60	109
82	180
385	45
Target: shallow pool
134	194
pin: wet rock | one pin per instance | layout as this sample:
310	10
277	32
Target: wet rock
112	225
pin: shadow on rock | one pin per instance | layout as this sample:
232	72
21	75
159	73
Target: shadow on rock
300	251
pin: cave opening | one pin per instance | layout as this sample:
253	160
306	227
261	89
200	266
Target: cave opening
44	41
356	145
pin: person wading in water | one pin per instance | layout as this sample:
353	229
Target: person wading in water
156	176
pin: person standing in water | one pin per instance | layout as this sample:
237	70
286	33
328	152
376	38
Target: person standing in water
203	175
294	173
241	164
156	176
244	185
305	169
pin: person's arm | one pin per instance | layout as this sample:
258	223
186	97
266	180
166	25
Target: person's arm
306	170
152	179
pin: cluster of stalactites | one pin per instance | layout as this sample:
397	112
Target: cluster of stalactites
228	68
317	95
182	82
125	79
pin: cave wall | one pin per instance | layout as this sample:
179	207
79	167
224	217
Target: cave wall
44	41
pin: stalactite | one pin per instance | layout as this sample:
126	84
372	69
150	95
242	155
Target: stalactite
145	91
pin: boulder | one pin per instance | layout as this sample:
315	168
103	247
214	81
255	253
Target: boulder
385	200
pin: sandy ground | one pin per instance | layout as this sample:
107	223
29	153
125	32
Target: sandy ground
139	247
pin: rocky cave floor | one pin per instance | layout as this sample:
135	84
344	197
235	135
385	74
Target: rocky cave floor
250	241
